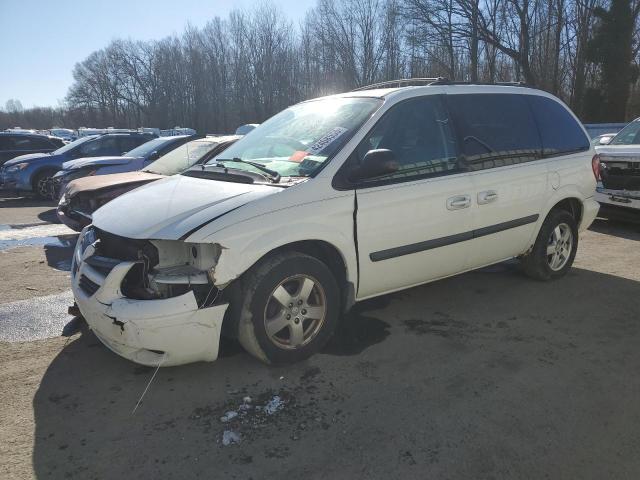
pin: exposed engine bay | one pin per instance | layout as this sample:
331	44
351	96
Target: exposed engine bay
162	269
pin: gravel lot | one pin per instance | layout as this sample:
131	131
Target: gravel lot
485	375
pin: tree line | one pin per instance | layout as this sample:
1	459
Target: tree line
251	64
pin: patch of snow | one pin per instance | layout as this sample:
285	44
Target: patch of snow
229	437
228	416
273	405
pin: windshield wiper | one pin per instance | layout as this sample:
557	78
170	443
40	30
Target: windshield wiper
272	174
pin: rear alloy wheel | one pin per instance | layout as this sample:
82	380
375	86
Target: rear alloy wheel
291	306
559	247
555	248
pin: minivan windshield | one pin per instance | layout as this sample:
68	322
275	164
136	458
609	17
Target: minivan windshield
183	157
297	141
629	135
74	144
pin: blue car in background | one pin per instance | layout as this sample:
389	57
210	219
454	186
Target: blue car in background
136	159
34	173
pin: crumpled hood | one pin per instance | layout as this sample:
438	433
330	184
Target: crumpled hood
169	209
619	150
94	183
26	158
95	161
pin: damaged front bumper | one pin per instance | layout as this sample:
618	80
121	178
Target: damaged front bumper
167	331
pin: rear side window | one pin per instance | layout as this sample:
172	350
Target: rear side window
560	132
22	143
41	143
495	130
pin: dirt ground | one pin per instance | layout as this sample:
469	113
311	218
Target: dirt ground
484	375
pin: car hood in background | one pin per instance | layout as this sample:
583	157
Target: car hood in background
100	182
26	158
96	161
619	150
173	207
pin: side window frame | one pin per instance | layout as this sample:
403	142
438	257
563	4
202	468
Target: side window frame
459	133
341	182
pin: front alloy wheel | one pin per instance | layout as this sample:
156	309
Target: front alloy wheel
295	311
290	304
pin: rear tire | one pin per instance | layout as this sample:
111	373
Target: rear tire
555	249
290	308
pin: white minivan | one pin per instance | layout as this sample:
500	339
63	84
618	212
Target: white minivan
332	201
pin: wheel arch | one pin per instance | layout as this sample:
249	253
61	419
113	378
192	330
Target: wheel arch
37	172
567	199
322	250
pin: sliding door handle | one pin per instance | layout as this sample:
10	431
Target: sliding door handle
458	202
487	196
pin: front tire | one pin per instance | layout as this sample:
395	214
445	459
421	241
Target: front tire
290	308
555	249
41	185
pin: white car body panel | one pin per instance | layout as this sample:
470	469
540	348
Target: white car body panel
518	193
180	204
418	210
245	222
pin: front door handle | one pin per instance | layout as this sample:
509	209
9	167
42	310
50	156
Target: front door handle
458	202
487	196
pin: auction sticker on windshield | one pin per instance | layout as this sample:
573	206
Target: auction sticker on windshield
326	140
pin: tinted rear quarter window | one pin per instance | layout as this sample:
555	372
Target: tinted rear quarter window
23	143
41	143
560	132
495	129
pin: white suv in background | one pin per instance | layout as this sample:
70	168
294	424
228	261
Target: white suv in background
330	202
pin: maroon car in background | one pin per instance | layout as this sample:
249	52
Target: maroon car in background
85	195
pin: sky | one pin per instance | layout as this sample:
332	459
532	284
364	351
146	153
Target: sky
41	40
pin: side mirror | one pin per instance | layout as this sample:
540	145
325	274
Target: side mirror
375	164
154	155
605	140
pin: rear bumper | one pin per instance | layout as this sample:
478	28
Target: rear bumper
590	208
618	198
171	331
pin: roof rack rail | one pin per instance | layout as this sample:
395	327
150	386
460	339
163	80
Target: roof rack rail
413	82
402	82
464	82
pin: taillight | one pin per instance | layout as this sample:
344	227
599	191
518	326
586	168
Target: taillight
595	166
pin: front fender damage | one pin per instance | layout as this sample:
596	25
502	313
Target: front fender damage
167	331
